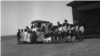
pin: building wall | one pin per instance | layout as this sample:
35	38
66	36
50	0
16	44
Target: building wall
75	12
91	19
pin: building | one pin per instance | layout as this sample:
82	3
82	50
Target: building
87	13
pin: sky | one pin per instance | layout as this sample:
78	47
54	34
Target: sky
19	14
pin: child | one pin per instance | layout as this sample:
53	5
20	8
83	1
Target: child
22	35
25	35
28	37
18	35
81	29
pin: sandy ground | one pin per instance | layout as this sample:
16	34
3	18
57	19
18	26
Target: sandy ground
89	47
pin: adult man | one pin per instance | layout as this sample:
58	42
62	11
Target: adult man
50	26
65	22
64	32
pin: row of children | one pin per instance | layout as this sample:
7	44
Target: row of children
23	36
30	35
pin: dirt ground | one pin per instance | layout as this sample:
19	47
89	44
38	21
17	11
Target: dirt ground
89	47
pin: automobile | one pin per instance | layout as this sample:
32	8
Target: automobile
39	34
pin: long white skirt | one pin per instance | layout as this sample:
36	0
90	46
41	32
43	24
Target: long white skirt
28	37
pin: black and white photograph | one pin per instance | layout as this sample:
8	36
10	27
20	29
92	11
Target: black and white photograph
50	27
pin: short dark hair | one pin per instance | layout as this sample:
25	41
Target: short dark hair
31	27
18	29
27	27
21	29
66	20
58	22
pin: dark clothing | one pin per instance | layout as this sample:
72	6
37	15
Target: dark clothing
77	34
81	35
65	23
73	32
34	38
31	37
64	34
18	36
28	29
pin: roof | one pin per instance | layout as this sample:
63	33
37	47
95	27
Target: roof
40	21
89	6
75	3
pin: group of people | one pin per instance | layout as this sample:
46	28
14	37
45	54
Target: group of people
50	33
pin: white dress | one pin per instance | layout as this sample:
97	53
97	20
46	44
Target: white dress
22	36
28	39
25	36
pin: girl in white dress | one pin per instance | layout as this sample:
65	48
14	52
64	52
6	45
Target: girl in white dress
28	38
22	35
25	35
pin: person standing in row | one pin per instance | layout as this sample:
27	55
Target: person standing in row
28	37
18	35
46	28
34	28
27	28
81	30
22	35
65	22
25	35
77	32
